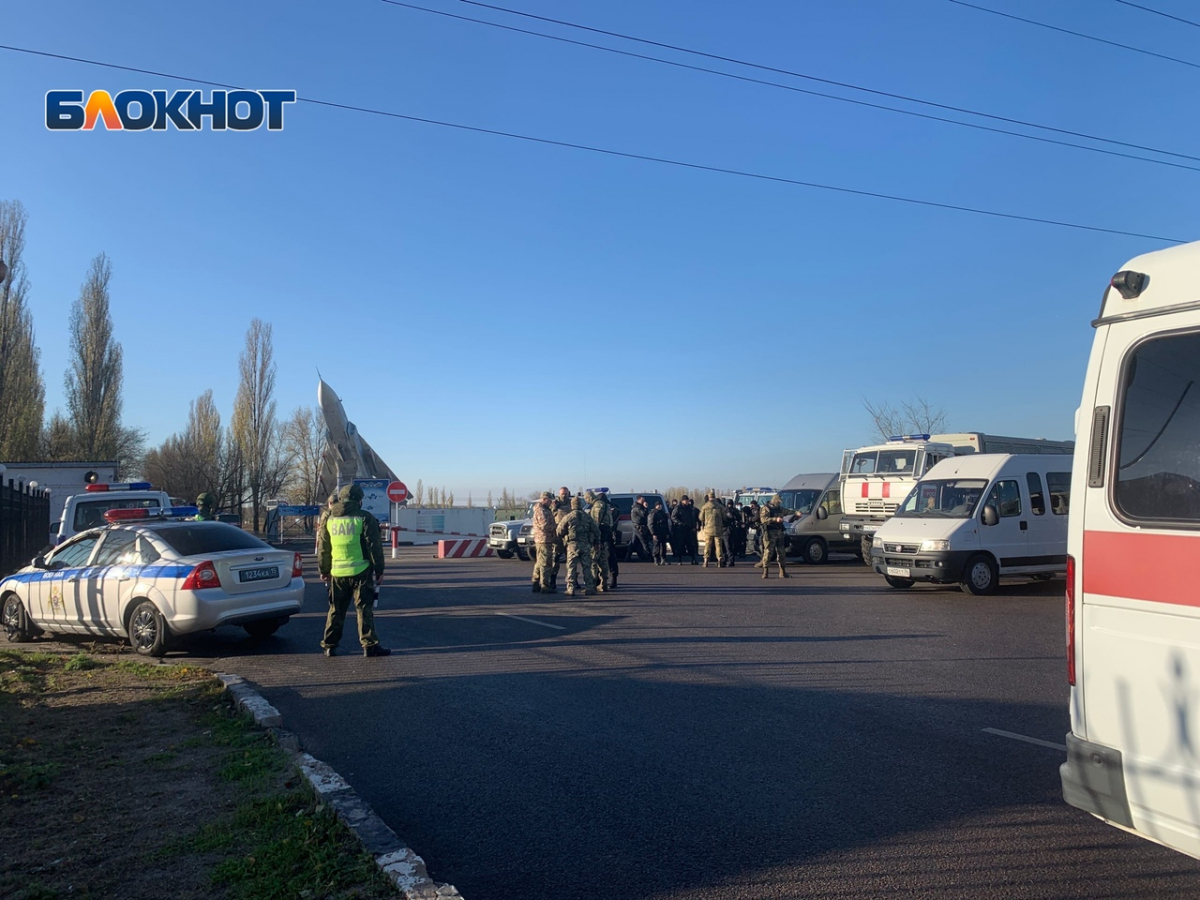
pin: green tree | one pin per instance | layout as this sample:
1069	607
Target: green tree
22	391
93	380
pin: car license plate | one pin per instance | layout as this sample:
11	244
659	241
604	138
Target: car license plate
897	572
258	574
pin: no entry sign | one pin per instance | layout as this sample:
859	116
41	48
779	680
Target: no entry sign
397	492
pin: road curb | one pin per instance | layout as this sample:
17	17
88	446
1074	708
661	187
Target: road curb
395	859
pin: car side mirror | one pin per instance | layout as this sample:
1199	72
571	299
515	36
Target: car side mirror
990	515
822	513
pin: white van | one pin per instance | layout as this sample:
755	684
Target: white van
1133	597
86	510
972	519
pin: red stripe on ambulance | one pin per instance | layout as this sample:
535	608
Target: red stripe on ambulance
1139	566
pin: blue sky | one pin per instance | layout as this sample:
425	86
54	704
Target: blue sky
499	313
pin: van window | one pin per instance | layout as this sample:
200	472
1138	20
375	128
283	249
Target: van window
833	502
1006	497
90	513
1037	500
1158	469
864	463
1059	484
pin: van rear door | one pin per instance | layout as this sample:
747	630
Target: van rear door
1137	621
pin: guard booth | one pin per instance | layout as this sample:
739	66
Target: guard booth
290	523
24	525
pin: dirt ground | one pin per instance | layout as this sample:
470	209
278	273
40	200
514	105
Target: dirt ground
126	779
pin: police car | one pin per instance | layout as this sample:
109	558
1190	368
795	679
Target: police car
150	575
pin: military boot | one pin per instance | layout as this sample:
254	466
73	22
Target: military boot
537	588
783	573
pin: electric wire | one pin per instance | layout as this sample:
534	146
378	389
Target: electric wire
829	81
622	154
799	90
1158	12
1079	34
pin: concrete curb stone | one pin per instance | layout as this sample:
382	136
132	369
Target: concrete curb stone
395	858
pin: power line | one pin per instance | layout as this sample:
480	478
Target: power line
622	154
1158	12
799	90
1079	34
829	81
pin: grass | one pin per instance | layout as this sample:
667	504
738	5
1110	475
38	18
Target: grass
271	840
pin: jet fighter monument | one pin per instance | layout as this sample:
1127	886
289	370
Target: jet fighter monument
347	455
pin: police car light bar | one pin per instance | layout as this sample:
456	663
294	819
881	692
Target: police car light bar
130	486
168	512
909	437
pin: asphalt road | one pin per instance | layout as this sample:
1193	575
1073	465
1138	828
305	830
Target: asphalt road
707	734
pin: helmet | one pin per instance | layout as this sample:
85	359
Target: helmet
546	495
205	499
590	496
776	500
351	493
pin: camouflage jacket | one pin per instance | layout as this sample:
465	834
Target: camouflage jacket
712	518
543	524
602	514
768	514
578	527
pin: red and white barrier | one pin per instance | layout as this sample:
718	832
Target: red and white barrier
435	531
463	549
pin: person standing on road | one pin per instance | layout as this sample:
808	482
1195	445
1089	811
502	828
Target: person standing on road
351	551
206	508
712	519
733	525
660	531
684	538
562	507
580	534
641	542
601	513
545	540
772	517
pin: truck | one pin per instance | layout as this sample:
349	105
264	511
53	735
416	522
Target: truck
877	478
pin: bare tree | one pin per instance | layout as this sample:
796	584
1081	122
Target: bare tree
419	494
191	462
93	381
915	416
489	500
22	391
57	443
254	429
304	443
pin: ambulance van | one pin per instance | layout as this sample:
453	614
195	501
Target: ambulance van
974	518
1133	582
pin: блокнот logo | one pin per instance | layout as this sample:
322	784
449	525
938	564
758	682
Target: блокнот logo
157	110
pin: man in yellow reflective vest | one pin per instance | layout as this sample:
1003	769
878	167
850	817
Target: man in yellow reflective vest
349	553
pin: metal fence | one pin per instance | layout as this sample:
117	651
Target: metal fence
24	525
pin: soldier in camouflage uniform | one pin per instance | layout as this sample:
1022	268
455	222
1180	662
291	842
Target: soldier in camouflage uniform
562	508
581	535
206	505
771	518
601	512
712	520
545	539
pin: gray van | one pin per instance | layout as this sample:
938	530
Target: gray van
817	499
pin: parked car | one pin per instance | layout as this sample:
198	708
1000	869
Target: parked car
150	578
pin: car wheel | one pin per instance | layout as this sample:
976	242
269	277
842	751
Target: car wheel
900	584
815	552
521	554
265	627
864	550
980	575
147	630
504	554
16	620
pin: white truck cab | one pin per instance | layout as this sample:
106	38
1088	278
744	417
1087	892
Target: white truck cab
1133	599
974	518
86	510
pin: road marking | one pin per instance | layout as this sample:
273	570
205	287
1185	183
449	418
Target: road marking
1029	740
543	624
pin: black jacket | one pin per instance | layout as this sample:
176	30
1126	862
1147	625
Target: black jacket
660	524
